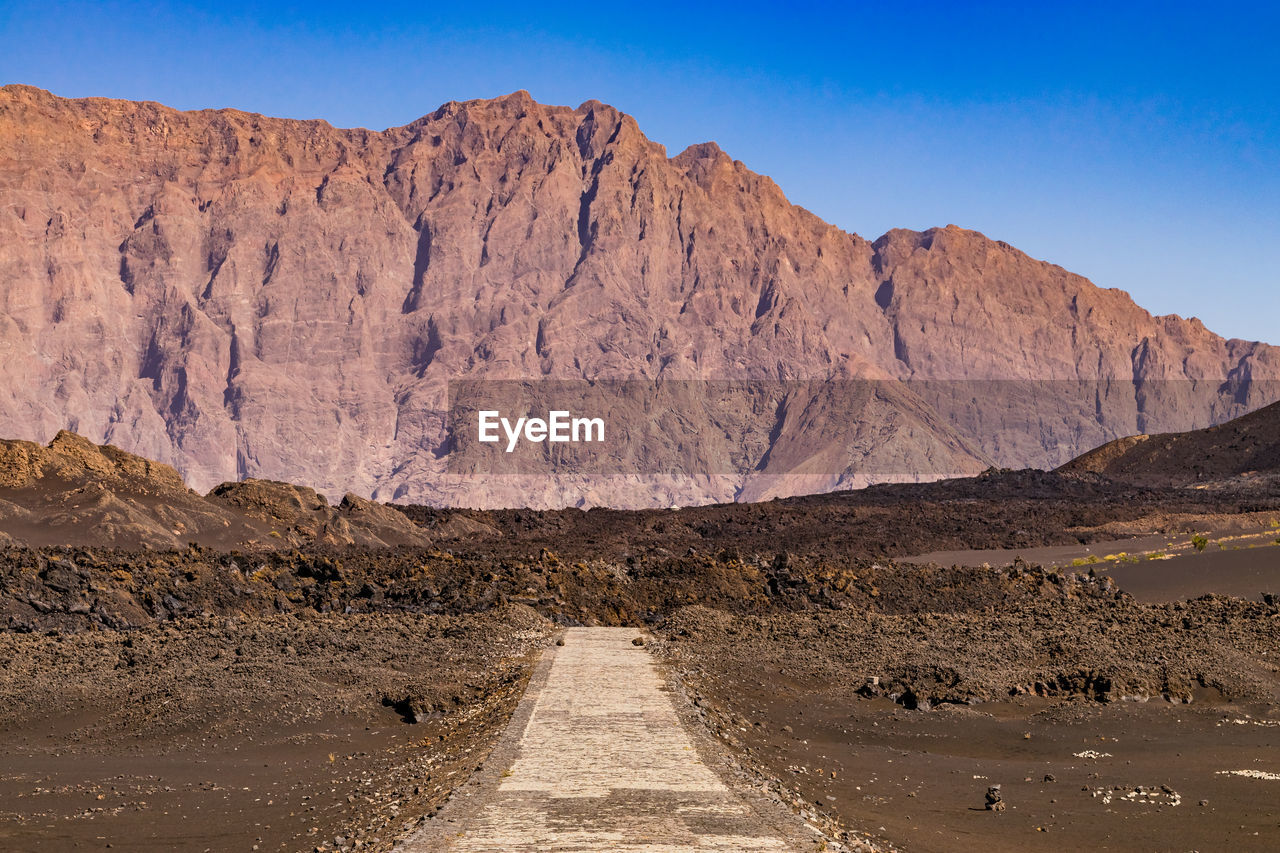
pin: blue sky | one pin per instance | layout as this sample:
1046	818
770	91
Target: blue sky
1137	144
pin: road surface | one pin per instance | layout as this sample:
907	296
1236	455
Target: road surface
596	758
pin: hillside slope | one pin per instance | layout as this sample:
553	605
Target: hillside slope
74	492
1247	447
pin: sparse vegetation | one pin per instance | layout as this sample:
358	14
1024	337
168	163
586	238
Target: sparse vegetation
1200	542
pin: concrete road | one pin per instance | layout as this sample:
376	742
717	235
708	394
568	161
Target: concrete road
596	758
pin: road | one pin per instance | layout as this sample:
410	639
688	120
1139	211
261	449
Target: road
596	758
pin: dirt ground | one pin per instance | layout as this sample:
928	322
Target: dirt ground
1107	725
1188	556
287	732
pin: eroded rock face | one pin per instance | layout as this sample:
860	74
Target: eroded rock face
239	296
73	458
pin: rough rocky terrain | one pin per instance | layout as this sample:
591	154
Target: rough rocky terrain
90	589
246	297
297	732
1008	510
310	690
1083	725
276	548
75	493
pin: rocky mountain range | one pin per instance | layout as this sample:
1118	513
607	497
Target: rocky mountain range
246	297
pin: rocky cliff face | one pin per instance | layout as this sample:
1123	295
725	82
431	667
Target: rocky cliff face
240	296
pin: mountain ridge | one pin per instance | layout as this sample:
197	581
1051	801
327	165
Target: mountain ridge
242	296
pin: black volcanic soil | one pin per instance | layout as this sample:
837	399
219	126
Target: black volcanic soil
274	733
1108	725
999	509
1193	556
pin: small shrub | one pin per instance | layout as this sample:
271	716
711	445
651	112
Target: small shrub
1200	542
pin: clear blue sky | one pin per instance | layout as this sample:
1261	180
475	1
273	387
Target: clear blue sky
1137	144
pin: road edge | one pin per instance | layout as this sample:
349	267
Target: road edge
464	802
764	794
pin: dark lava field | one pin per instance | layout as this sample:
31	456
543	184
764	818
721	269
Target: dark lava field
320	696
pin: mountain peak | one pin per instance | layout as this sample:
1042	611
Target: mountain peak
702	151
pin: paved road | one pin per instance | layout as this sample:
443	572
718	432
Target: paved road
596	759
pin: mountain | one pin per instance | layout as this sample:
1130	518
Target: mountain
241	296
1247	448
